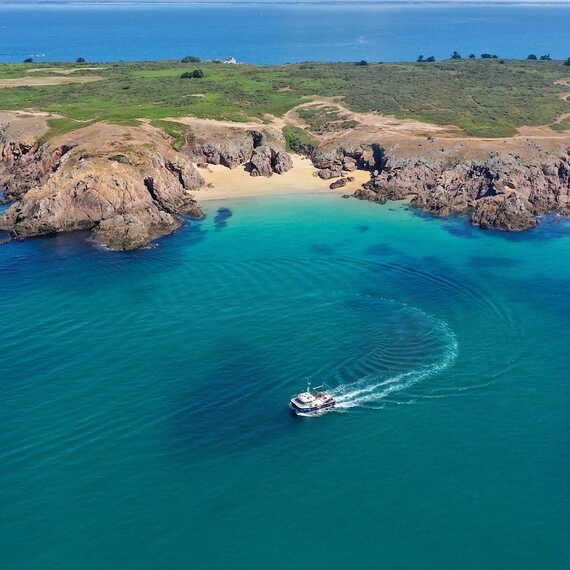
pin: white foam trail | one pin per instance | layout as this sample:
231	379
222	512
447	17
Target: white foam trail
366	390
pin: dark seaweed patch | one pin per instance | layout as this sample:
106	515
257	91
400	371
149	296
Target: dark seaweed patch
462	228
362	228
222	217
323	249
381	249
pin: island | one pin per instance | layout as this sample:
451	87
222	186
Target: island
129	151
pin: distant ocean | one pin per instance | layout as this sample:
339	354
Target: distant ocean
279	33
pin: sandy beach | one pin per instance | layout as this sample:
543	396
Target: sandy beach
301	179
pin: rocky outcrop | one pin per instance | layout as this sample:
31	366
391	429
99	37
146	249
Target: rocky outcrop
340	183
23	166
332	163
502	192
232	149
266	160
236	148
125	200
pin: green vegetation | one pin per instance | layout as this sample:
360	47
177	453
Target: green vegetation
481	97
298	140
61	126
121	158
325	119
177	131
190	59
562	126
196	74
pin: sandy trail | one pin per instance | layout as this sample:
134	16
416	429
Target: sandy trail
43	81
63	71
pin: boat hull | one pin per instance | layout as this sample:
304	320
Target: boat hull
311	411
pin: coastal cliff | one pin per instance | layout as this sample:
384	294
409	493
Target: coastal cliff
128	186
125	186
503	192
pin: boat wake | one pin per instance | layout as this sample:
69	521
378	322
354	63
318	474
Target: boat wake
374	388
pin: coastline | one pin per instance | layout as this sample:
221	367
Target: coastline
300	179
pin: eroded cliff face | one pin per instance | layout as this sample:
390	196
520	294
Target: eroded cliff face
503	191
260	152
124	185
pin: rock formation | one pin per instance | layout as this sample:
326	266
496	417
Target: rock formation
340	182
111	182
127	186
333	163
501	192
265	160
261	154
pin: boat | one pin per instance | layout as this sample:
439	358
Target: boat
312	402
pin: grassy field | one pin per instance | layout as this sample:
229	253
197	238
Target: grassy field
486	98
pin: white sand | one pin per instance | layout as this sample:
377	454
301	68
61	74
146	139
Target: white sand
301	179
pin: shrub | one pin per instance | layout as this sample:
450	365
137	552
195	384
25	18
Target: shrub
299	140
121	158
456	55
488	56
196	74
430	59
80	60
190	59
361	62
472	56
545	57
420	59
567	62
532	56
29	60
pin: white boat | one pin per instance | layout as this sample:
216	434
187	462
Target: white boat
312	402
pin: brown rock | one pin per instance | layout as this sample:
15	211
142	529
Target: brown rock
266	160
124	203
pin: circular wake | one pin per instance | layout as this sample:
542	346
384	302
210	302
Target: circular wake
374	388
400	347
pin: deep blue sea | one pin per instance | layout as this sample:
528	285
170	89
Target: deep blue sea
143	395
258	33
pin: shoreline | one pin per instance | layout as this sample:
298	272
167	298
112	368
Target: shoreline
301	179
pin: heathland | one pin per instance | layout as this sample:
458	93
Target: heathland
480	97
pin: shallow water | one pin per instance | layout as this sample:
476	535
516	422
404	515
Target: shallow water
144	419
258	33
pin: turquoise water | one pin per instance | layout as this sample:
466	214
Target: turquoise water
258	33
143	396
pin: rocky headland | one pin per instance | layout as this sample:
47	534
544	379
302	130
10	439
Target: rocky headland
127	185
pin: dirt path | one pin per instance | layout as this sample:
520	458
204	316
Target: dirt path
63	71
42	81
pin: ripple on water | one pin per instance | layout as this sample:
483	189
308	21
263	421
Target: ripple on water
353	323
